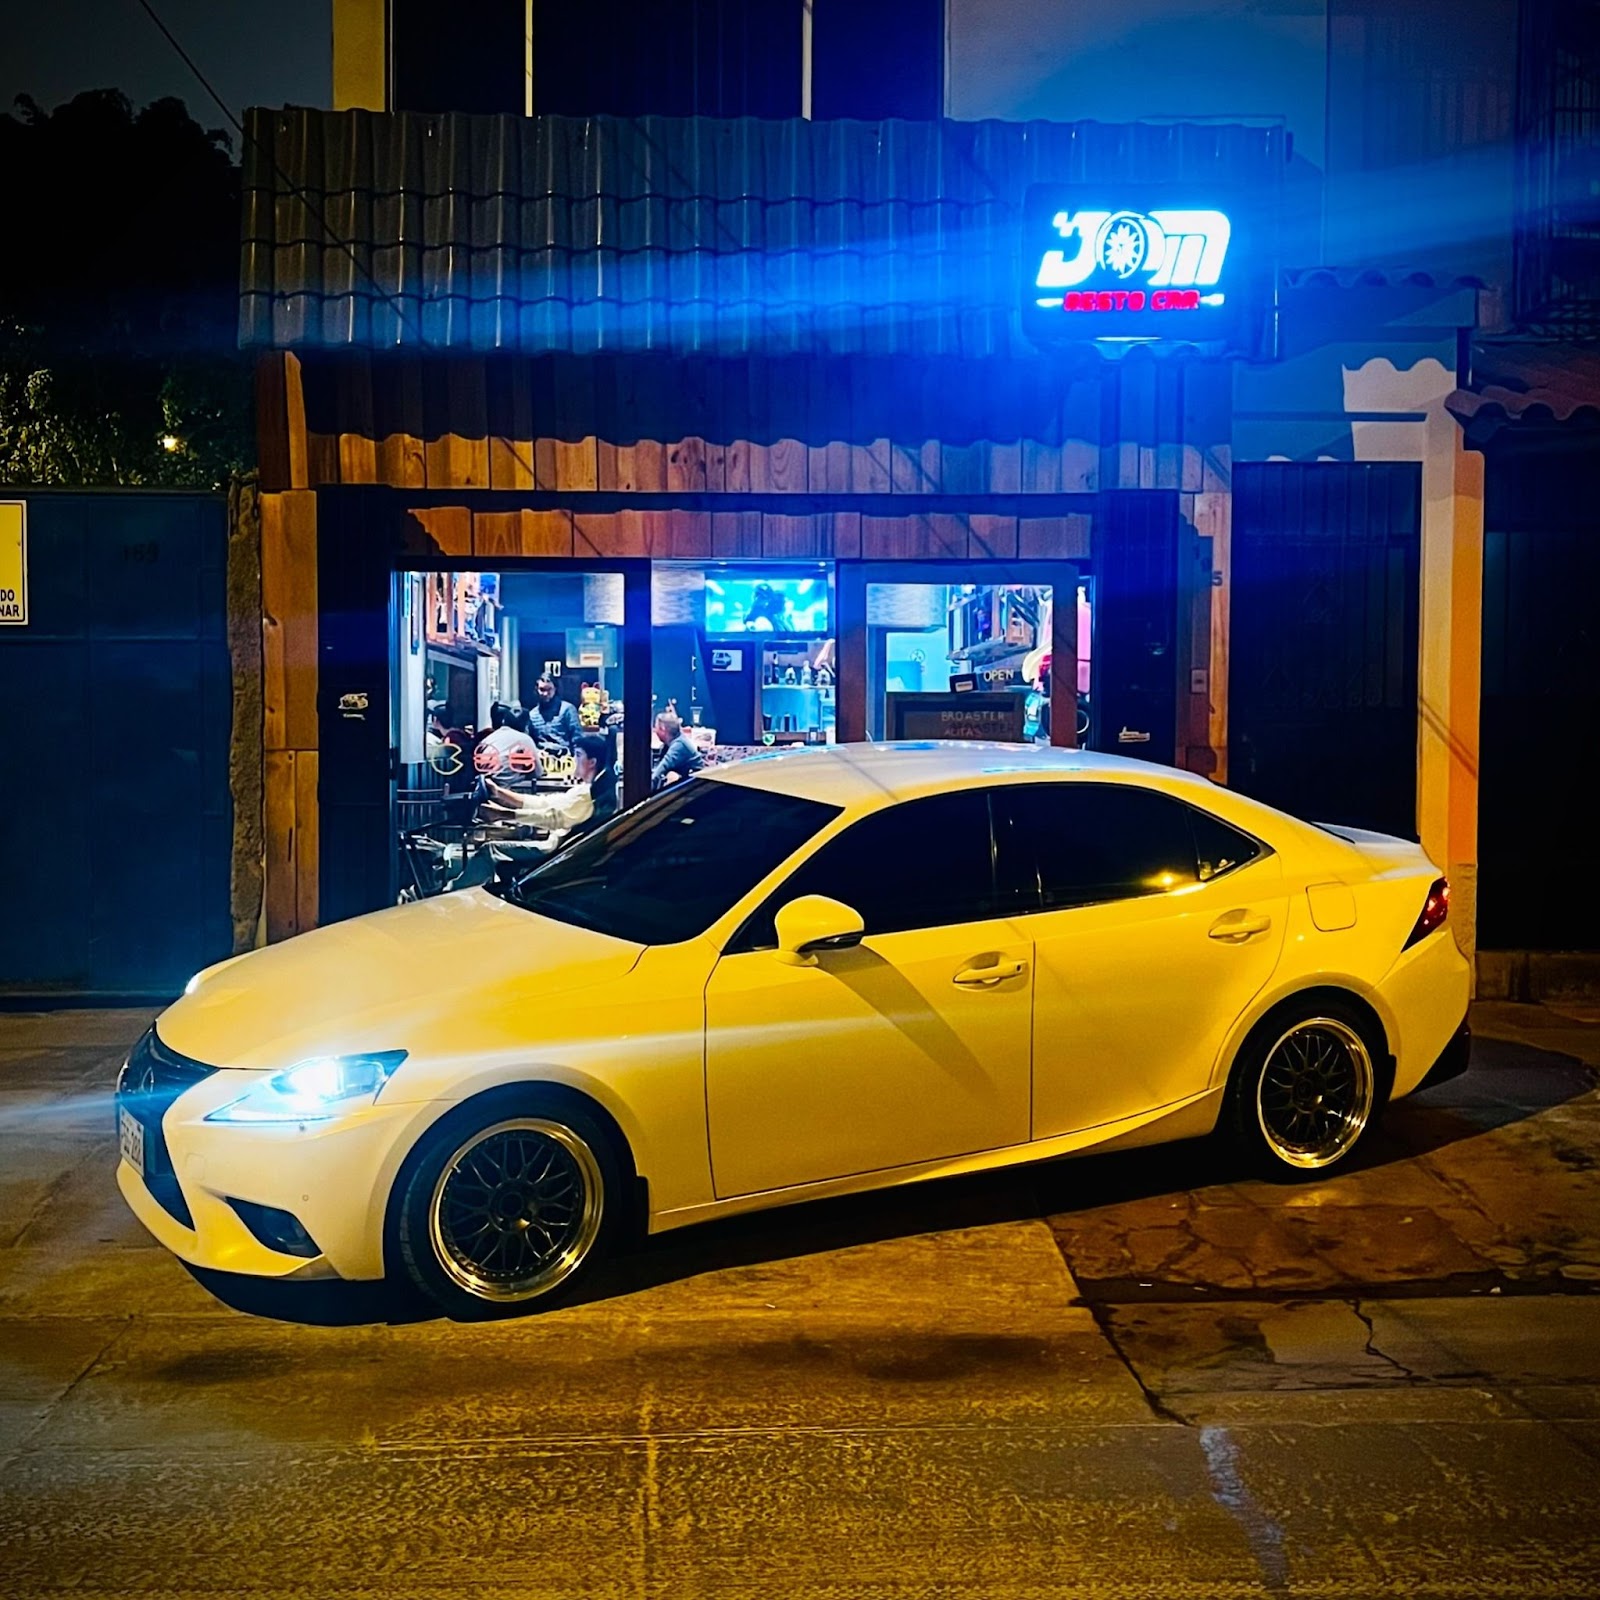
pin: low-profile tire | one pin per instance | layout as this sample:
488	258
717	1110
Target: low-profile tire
1307	1088
510	1203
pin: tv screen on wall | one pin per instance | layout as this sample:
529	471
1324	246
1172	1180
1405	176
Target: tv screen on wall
775	604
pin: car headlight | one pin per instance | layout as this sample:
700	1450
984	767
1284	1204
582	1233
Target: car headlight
314	1090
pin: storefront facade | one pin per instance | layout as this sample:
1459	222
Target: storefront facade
807	432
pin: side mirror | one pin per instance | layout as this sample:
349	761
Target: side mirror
813	923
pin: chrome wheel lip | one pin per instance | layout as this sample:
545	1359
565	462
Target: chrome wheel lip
573	1253
1351	1124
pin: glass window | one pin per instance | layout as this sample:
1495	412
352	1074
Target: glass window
1072	844
743	657
665	870
920	864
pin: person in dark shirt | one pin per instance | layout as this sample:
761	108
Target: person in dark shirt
551	720
679	758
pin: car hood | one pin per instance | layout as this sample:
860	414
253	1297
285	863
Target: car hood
392	980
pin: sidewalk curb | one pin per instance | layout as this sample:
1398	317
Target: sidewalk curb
1532	976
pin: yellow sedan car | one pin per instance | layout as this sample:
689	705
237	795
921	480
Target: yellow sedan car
809	973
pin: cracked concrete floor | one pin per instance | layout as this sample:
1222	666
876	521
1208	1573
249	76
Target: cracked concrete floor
1125	1376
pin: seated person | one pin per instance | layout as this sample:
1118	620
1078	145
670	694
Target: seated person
680	757
506	753
591	800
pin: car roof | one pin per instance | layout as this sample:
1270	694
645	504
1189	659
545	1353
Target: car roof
855	774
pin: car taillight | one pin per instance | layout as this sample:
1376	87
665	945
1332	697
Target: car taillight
1434	912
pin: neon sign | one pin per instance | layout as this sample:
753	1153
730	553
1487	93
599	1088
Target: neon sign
1136	264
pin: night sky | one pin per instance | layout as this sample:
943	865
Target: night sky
254	53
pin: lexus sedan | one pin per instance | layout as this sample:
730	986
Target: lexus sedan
809	973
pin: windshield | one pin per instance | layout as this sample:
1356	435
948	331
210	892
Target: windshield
665	870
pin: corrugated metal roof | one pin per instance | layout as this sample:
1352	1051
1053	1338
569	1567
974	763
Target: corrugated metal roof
676	234
1378	278
1530	383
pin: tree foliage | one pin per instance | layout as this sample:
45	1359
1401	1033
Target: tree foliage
118	297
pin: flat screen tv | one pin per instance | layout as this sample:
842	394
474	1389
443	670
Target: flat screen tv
778	603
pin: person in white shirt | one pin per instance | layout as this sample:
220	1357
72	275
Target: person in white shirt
591	800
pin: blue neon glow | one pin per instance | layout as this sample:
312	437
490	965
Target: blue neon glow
1164	249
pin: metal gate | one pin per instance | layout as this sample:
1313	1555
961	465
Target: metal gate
116	828
1323	646
1538	845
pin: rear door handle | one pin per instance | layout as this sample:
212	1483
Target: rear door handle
1234	927
974	977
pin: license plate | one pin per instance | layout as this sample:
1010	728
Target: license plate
130	1141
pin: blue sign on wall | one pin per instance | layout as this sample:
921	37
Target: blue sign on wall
1140	264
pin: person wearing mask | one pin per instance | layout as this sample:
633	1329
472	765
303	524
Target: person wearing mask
591	800
679	756
551	720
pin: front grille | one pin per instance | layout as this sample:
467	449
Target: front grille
151	1079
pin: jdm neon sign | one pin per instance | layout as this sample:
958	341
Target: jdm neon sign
1145	253
1139	263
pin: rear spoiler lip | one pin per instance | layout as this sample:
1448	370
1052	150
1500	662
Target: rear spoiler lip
1361	836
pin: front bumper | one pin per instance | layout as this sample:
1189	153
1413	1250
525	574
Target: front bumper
333	1178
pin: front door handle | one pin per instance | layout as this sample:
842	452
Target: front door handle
1234	927
974	977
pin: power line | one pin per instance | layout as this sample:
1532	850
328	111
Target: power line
390	298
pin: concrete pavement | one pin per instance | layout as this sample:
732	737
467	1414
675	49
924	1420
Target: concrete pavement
1124	1376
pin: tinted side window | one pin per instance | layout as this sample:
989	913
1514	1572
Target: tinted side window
1085	843
919	864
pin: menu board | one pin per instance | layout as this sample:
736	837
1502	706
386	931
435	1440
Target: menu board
956	716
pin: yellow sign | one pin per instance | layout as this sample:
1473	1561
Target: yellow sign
13	562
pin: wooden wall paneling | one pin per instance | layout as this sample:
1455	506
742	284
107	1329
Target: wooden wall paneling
272	423
906	539
289	619
915	463
1111	426
496	533
828	425
448	528
307	837
322	459
1000	435
734	424
991	537
616	533
608	402
1054	538
948	534
688	534
1170	379
630	455
846	535
546	533
542	393
278	799
1080	435
399	421
573	400
509	383
871	399
1043	386
958	413
456	403
295	421
786	538
788	458
686	448
358	434
735	534
756	424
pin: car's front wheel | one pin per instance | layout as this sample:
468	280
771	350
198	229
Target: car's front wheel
510	1201
1307	1087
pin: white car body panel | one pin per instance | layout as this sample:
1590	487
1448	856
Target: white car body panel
739	1082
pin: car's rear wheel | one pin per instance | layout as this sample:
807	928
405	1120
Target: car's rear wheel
512	1200
1308	1086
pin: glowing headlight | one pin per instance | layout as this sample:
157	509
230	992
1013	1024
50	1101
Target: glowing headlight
314	1090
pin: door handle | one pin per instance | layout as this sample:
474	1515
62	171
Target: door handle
971	977
1234	927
